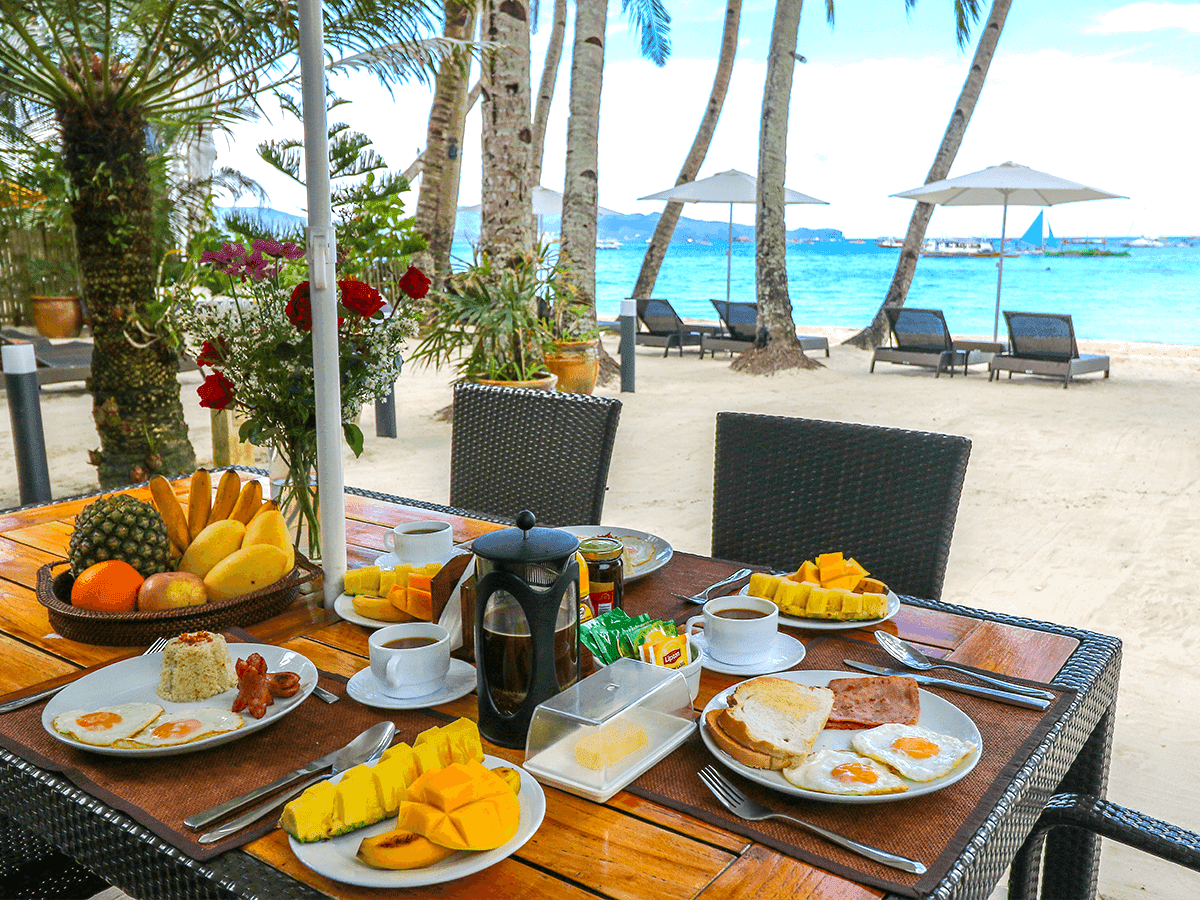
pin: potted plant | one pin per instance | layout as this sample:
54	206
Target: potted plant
486	325
54	305
571	351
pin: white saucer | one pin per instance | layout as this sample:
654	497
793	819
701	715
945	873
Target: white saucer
460	681
391	560
787	652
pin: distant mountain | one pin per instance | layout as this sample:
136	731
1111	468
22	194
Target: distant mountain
271	219
639	227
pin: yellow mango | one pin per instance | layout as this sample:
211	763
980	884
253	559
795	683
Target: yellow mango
401	849
271	528
216	542
464	806
245	570
376	608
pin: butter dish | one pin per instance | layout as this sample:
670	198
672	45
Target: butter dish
600	734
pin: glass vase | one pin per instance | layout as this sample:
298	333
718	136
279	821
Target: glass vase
293	473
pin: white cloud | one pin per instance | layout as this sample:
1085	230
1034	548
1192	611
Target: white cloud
1141	17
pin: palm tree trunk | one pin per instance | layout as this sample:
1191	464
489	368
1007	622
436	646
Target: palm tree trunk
442	159
134	390
782	351
875	333
657	250
541	113
577	247
506	228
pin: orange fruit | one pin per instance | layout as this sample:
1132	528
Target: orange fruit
109	586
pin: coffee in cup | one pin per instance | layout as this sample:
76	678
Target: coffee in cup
410	659
738	630
420	543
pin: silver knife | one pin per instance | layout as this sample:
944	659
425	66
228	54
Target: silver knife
199	820
975	690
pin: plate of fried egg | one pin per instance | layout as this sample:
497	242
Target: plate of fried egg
644	553
117	711
870	765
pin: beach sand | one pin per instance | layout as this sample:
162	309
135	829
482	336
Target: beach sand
1080	507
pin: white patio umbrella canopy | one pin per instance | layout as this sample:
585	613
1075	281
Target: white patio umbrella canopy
726	187
1007	184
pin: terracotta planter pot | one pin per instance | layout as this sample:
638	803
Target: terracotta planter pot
577	365
543	384
57	317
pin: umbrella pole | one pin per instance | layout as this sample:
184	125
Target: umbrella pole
322	276
729	258
1000	272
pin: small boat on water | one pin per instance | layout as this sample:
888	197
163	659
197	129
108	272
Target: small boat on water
609	244
955	249
890	243
1143	241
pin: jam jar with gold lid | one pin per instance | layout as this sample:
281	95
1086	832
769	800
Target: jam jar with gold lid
605	558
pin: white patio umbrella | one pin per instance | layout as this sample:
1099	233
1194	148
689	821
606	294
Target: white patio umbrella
322	277
726	187
1007	184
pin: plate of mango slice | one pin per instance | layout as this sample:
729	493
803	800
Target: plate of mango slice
376	596
830	593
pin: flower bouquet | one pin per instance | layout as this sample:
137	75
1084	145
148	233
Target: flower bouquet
256	344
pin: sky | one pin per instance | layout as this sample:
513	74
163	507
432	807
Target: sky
1101	92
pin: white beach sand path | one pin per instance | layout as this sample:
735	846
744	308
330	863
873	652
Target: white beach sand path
1080	507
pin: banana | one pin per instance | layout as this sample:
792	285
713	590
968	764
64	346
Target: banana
199	502
267	506
172	512
227	496
248	502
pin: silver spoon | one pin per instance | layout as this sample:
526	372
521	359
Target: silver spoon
363	748
910	656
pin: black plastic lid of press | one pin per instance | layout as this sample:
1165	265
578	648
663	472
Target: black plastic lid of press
525	543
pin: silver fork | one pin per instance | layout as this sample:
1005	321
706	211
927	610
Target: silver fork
703	596
50	692
740	805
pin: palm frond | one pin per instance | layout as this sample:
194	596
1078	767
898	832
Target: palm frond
402	60
653	23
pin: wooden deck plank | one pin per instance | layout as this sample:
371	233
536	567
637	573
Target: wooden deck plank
1020	652
766	875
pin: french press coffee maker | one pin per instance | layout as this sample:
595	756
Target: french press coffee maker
526	624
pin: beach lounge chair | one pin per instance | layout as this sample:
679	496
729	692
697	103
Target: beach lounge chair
1044	344
741	325
787	489
665	329
517	448
920	337
56	363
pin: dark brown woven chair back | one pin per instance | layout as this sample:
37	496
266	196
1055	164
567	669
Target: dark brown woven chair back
918	329
1041	335
516	448
739	318
788	489
658	316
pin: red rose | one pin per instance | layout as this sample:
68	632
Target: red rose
216	392
360	297
299	308
211	355
414	283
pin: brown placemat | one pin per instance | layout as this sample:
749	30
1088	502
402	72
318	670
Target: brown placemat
160	792
933	828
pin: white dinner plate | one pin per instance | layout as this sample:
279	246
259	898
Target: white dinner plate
136	679
655	552
893	607
937	715
336	858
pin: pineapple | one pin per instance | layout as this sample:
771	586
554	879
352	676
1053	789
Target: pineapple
120	527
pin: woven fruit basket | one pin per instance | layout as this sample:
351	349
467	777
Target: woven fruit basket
126	629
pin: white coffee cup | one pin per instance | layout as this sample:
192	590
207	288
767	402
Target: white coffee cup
413	671
740	641
421	542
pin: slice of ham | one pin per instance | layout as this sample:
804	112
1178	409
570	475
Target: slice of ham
877	700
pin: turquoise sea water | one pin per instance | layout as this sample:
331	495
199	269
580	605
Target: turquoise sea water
1151	295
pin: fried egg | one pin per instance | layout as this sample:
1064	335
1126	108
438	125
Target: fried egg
913	751
103	727
183	727
843	772
638	551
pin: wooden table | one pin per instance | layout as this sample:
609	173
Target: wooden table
626	848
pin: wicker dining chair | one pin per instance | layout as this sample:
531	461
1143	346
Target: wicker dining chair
1087	816
787	489
516	448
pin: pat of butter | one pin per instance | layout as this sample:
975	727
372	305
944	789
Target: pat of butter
609	744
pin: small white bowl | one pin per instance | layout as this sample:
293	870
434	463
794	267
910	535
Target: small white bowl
691	672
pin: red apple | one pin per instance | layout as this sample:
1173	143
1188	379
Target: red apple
171	590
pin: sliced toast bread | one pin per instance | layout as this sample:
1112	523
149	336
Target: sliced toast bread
776	717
